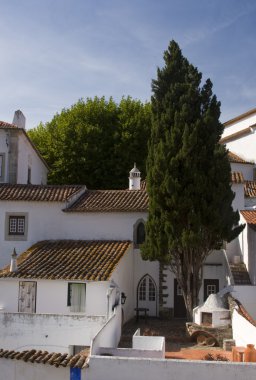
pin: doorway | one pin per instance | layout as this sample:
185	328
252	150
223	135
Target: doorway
27	297
147	295
179	304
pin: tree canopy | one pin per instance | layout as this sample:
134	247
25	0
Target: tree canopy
95	142
188	175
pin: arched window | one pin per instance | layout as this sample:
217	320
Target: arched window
147	294
140	233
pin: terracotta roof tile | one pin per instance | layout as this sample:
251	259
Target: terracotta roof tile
43	193
111	201
250	189
69	260
143	185
249	216
44	357
4	125
237	177
234	158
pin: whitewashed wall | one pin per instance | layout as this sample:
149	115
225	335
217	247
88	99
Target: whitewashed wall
123	276
109	335
246	294
238	125
19	370
243	331
4	150
46	221
27	156
212	271
246	169
116	368
239	201
141	268
52	296
50	332
245	145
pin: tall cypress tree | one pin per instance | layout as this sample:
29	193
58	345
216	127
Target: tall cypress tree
188	175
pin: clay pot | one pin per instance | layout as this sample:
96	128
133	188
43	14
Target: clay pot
250	353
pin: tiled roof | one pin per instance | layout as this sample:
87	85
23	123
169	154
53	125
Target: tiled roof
43	193
143	185
69	260
4	125
234	158
44	357
240	274
250	189
111	201
237	177
249	216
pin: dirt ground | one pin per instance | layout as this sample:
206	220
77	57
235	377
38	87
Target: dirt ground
178	344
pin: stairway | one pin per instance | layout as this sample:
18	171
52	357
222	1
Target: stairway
240	274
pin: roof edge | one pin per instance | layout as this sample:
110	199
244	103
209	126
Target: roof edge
240	117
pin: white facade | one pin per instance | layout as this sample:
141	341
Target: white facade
239	135
20	162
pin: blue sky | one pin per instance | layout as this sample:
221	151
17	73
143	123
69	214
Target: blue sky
54	52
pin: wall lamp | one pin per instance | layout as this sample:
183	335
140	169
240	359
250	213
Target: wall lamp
123	298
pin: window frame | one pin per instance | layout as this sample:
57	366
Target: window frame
69	294
2	167
16	236
135	232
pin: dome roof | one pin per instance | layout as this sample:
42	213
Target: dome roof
135	169
214	302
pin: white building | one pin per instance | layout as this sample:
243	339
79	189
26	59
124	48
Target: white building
75	242
20	161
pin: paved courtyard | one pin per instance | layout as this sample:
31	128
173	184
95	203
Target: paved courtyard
177	344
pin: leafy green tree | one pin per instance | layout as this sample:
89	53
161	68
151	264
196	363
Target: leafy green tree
188	175
95	142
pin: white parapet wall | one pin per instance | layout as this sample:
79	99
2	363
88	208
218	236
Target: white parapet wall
110	334
243	331
246	294
116	368
50	332
20	370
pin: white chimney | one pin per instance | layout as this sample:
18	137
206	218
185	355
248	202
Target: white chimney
134	179
13	266
19	119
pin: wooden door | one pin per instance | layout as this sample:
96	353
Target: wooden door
179	304
147	295
27	297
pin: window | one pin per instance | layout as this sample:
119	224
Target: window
139	233
76	297
211	289
211	286
29	176
142	290
16	226
151	290
2	166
